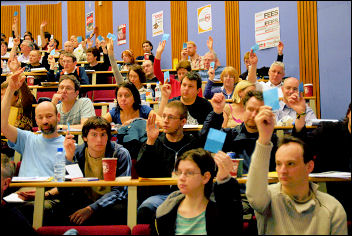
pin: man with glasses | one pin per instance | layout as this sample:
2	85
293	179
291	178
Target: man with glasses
157	156
70	68
73	111
276	74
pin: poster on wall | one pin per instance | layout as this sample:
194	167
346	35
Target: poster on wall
121	34
89	22
267	28
158	23
204	19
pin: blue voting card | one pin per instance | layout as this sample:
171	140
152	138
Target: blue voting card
167	77
108	36
301	88
215	140
271	98
212	64
52	52
113	37
100	38
255	47
184	45
15	13
165	37
79	39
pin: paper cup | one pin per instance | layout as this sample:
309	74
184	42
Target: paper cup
109	168
308	90
146	56
30	80
237	168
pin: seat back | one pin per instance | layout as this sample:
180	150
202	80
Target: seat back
141	229
86	230
103	95
48	94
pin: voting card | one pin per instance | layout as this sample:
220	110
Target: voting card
215	140
79	39
184	46
301	88
167	77
52	52
109	35
113	37
255	48
15	13
212	64
271	98
165	37
100	38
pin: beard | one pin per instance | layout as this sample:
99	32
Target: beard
51	130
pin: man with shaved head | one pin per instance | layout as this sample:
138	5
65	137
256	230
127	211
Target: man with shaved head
293	105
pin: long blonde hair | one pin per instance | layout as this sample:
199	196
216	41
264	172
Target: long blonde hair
243	84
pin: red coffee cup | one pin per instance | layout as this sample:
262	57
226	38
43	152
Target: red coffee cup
146	56
237	168
30	80
308	90
109	168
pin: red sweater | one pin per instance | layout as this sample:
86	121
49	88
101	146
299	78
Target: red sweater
175	84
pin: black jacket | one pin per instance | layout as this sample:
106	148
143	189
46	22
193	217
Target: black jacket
223	216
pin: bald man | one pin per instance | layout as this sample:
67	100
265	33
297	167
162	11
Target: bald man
68	46
36	150
293	105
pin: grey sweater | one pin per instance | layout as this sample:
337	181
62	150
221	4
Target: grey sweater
277	213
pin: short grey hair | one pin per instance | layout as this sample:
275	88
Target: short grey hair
278	63
29	43
214	53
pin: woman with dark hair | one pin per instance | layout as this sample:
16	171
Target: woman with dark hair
190	210
137	77
128	106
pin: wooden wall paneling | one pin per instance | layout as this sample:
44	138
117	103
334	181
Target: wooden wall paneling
51	13
179	27
137	26
103	18
7	18
76	19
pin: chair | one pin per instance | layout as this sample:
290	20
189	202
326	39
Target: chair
103	95
141	229
86	230
48	94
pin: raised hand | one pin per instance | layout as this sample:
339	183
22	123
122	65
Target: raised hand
16	42
210	43
265	121
103	43
152	129
184	54
43	24
297	103
69	145
51	60
253	59
225	165
218	103
280	48
211	73
160	49
16	79
110	46
89	42
165	91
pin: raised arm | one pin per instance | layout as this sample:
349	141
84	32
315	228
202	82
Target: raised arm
15	82
252	73
165	94
42	36
16	42
157	69
15	26
115	69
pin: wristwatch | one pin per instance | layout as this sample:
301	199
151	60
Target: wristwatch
298	116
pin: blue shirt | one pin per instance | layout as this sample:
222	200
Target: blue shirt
38	153
204	73
209	91
115	113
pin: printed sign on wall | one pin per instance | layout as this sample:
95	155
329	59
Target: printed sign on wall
89	22
267	28
204	19
158	23
121	34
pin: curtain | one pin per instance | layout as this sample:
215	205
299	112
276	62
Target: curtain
137	26
103	18
76	19
7	17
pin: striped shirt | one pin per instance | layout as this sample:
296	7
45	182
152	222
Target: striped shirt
188	226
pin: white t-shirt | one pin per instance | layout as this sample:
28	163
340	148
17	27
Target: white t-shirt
262	86
83	108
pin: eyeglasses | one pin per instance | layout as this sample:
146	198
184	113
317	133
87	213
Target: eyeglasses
169	117
186	174
68	89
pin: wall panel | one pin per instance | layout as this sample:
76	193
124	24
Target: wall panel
76	19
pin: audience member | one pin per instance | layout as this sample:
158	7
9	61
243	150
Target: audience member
147	49
137	77
128	106
26	48
210	57
182	68
289	105
4	52
149	71
276	73
92	58
191	209
330	143
128	59
74	41
197	62
115	69
198	107
294	205
72	111
70	68
68	46
262	72
79	51
157	156
234	112
95	205
229	78
28	36
12	220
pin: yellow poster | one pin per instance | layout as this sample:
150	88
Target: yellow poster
204	19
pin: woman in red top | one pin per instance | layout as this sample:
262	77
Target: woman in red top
182	68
